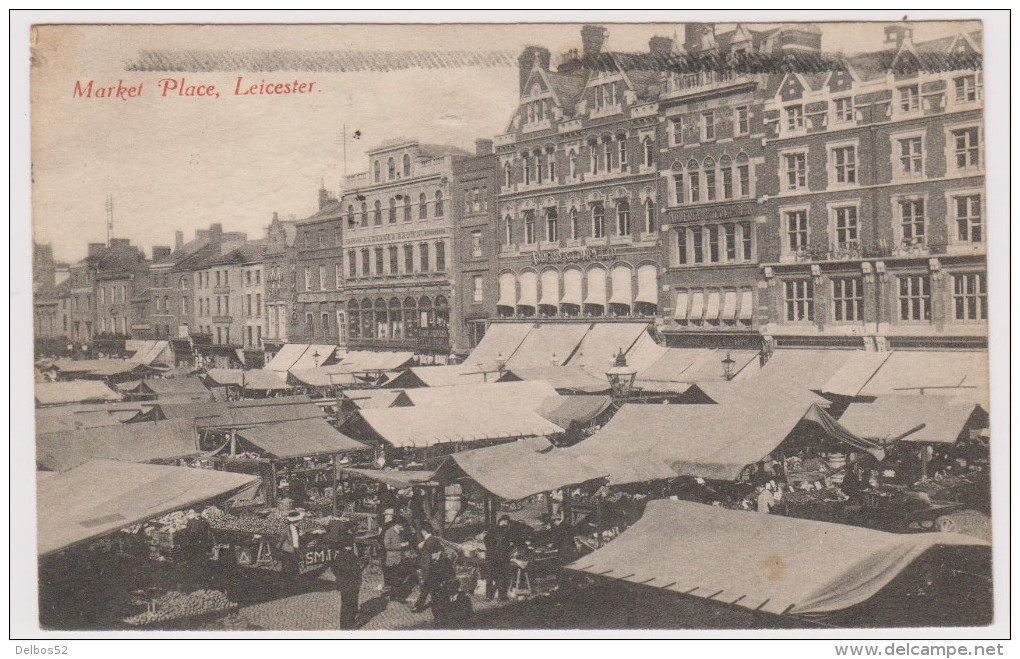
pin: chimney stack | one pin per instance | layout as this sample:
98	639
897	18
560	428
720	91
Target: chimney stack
526	62
593	37
276	216
660	46
178	240
483	147
900	35
96	248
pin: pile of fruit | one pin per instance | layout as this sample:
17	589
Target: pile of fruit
176	606
273	523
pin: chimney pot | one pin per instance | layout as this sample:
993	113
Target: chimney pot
483	147
593	37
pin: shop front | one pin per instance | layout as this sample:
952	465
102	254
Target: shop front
400	318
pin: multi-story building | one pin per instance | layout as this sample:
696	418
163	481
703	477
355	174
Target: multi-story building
120	277
579	207
319	278
397	241
473	258
82	304
51	292
161	318
279	281
876	206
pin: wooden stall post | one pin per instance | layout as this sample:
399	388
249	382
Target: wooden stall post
271	486
233	443
336	467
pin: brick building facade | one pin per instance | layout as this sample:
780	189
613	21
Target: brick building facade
319	277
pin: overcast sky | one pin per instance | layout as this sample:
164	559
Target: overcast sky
183	163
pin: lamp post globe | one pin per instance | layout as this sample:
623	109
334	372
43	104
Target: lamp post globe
621	377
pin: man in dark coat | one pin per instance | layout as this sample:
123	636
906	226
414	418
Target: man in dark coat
346	566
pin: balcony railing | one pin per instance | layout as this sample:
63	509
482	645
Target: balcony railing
855	251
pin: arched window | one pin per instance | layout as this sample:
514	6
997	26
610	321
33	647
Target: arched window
407	208
426	317
393	210
527	169
184	285
694	181
508	230
423	206
350	215
391	169
410	314
407	165
367	320
529	227
651	226
377	216
442	312
396	319
607	146
648	148
354	319
743	176
593	152
439	203
575	225
622	141
623	218
382	326
506	175
364	214
550	157
598	220
551	225
572	164
377	171
726	172
710	181
538	165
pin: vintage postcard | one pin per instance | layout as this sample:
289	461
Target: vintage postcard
590	325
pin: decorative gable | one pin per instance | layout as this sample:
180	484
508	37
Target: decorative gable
792	88
840	81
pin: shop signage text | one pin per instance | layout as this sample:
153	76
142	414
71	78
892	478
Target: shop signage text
574	256
713	213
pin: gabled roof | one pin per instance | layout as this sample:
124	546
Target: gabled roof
136	442
300	438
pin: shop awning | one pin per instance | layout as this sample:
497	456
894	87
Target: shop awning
622	277
599	347
796	368
712	307
857	370
596	287
697	305
529	290
519	396
550	288
284	359
300	438
572	279
399	479
135	442
517	470
644	352
648	284
314	356
71	509
501	341
507	290
255	379
371	361
74	391
546	343
562	378
746	305
929	419
770	563
566	411
943	372
421	427
682	311
729	307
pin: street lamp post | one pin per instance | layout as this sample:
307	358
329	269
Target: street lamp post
621	377
728	364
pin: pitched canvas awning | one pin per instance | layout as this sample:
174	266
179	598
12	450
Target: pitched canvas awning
254	379
399	479
621	278
529	290
565	411
71	509
856	371
729	310
421	427
314	356
235	413
746	305
74	391
572	283
941	372
507	290
323	376
298	439
712	307
511	396
596	287
928	419
284	359
682	311
445	376
135	442
770	563
168	387
546	341
797	368
562	378
370	361
517	470
600	345
500	340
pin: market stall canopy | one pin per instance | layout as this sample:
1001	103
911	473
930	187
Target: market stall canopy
599	347
374	399
314	357
803	369
399	479
285	359
443	376
770	563
420	427
856	371
235	413
152	352
928	418
168	387
562	378
510	396
566	411
322	376
517	470
371	361
77	416
680	367
501	341
74	391
71	509
963	374
298	439
644	353
710	441
135	442
745	391
548	343
255	379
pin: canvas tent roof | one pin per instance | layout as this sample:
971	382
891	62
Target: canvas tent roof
562	378
598	348
399	479
235	413
71	509
168	387
74	391
314	356
445	376
300	438
517	470
856	371
500	339
564	411
760	562
363	361
945	372
285	359
373	399
933	419
644	353
152	352
136	442
255	379
546	343
804	369
426	426
322	376
680	367
512	396
78	416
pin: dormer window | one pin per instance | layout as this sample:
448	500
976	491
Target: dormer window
909	99
795	118
605	96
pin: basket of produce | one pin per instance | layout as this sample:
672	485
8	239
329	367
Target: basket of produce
175	608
